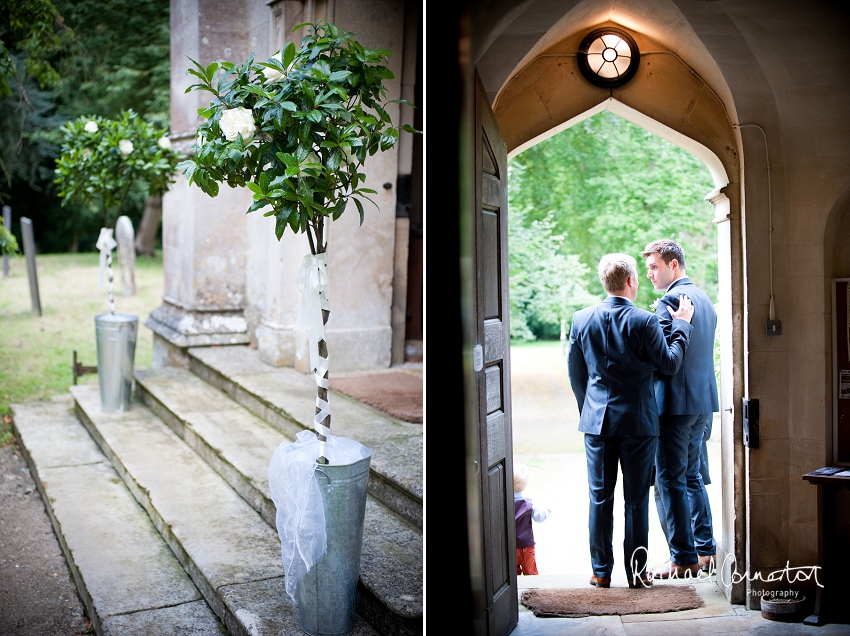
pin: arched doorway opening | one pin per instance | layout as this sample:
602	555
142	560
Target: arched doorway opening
542	398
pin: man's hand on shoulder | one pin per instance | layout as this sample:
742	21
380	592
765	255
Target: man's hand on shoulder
685	311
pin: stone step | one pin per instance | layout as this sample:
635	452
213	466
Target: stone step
230	552
128	579
238	445
286	399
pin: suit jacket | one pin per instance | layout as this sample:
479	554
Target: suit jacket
693	389
614	350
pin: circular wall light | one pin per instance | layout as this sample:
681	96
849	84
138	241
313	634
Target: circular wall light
608	57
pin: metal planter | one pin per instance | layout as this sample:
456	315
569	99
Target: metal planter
326	595
116	350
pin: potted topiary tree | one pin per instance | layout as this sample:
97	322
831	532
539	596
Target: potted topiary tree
102	161
296	130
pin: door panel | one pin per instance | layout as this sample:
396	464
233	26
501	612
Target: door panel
494	408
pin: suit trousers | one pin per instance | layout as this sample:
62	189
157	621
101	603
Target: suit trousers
634	456
698	502
680	495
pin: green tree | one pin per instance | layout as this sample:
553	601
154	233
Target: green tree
546	286
121	59
31	31
611	186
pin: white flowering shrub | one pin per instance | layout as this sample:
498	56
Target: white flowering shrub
102	159
296	129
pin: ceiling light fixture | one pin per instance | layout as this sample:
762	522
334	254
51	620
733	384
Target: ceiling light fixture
608	57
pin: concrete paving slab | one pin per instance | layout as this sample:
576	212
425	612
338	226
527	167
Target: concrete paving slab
124	562
119	562
189	618
731	625
43	423
239	446
530	625
283	396
266	608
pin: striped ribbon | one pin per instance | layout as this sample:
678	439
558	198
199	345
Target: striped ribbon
106	243
312	282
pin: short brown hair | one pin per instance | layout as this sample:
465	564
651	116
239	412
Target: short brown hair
667	250
615	269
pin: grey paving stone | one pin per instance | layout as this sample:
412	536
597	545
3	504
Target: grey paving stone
265	607
188	619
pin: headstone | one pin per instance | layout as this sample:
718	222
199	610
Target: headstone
29	253
7	223
126	255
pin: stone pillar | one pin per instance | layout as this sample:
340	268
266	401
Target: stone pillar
203	238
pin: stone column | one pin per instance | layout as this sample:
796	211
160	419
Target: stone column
204	238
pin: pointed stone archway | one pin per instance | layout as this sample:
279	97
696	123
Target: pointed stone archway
668	98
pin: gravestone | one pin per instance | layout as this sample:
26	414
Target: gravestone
124	236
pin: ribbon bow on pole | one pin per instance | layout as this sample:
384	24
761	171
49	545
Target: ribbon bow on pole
106	243
312	282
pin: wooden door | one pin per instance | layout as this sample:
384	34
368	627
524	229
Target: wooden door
492	370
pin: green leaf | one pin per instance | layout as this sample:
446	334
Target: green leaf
339	208
359	209
211	71
288	54
339	76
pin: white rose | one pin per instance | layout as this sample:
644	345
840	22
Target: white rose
272	74
164	143
91	127
236	121
125	146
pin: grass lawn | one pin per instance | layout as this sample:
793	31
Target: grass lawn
36	353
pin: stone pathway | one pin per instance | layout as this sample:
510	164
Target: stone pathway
37	594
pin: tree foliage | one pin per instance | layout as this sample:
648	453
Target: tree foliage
31	31
120	60
546	286
610	186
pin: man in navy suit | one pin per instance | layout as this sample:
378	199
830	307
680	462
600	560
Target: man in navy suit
686	401
614	349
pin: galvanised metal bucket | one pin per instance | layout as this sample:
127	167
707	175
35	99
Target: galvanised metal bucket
326	594
116	350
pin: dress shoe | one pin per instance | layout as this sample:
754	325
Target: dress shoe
600	581
707	563
641	581
672	570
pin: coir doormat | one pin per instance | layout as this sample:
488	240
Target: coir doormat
578	603
396	393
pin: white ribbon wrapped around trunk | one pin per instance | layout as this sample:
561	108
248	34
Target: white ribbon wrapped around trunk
300	516
312	282
106	243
